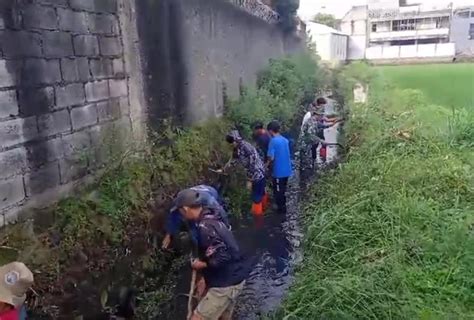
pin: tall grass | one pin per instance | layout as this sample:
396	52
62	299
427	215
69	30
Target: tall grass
389	234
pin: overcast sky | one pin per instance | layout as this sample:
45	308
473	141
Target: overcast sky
308	8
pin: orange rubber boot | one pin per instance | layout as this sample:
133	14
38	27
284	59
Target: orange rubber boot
257	209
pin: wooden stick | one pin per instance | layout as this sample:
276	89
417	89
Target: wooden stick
191	294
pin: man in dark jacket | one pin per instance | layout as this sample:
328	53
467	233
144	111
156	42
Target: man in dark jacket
262	139
223	266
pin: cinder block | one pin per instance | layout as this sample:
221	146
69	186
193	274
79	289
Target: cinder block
73	168
70	95
108	110
40	17
42	152
76	69
8	104
11	192
95	5
40	71
96	91
57	44
72	21
7	75
118	88
86	45
110	46
101	68
118	67
42	179
75	143
12	162
103	24
53	123
84	116
20	44
36	101
17	131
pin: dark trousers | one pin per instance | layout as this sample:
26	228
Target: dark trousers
258	190
279	192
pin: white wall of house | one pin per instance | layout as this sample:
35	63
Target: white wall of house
439	50
462	31
331	44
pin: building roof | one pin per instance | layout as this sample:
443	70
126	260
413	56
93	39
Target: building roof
356	13
319	29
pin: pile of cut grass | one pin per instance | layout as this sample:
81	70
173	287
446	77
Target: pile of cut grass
390	233
450	85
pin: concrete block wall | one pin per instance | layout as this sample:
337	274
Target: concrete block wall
64	90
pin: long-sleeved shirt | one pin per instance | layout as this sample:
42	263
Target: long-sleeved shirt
226	266
313	130
248	157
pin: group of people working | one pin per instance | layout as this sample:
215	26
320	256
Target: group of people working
224	268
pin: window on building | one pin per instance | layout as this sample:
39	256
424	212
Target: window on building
472	14
352	27
471	31
403	25
374	27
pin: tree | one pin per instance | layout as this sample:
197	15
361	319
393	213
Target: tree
326	19
287	10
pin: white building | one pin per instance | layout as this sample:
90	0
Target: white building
354	23
399	32
331	44
462	31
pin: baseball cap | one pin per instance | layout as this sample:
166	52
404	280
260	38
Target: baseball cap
15	280
187	198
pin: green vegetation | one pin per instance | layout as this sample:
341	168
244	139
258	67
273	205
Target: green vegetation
389	233
326	19
285	84
287	9
449	85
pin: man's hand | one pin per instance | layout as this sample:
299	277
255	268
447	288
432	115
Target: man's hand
166	242
198	264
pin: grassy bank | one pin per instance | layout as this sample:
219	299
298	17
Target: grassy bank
90	245
389	233
449	85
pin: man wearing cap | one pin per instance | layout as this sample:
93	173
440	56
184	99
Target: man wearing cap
223	266
15	280
248	157
211	200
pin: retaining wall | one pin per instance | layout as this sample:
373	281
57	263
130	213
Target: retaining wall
63	88
80	79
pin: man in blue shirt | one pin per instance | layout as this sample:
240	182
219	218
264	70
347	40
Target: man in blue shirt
279	158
